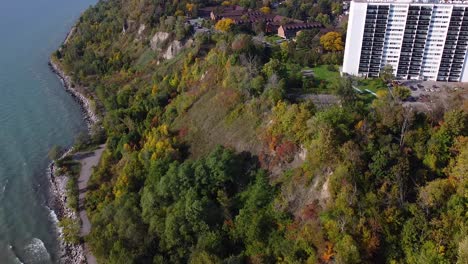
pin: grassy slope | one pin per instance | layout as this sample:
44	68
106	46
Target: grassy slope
209	122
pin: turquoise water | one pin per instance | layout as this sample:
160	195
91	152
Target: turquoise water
35	113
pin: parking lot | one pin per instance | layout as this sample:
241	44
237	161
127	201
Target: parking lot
425	94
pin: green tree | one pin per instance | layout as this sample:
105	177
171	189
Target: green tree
55	152
70	230
401	92
386	74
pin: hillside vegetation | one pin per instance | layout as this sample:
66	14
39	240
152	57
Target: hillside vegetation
218	155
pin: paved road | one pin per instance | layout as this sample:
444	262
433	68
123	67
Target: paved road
88	161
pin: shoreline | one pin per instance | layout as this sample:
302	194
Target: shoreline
69	253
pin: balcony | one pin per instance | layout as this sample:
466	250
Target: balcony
423	27
421	36
450	42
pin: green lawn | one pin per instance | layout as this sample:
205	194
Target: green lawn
273	38
371	84
321	73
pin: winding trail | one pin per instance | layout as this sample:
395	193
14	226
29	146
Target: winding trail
88	161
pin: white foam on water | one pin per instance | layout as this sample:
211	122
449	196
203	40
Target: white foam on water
2	190
36	252
13	255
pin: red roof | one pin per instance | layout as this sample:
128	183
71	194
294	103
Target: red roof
302	25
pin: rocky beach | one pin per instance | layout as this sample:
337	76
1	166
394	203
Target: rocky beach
72	253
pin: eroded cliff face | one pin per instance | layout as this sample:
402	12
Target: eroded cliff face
166	48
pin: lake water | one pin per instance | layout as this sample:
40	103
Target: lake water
35	113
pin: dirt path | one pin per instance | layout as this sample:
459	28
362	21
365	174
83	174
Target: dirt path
88	161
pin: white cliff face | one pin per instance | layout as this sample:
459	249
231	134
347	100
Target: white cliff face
141	29
158	39
171	49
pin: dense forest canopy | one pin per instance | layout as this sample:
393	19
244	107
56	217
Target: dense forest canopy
217	156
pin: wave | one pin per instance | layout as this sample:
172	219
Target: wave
36	252
53	218
3	189
16	259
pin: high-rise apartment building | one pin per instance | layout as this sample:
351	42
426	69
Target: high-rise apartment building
420	39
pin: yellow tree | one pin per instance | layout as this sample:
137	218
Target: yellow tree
224	24
265	10
332	41
189	7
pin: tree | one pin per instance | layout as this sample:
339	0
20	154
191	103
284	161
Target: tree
332	41
386	74
305	39
323	18
274	66
265	10
463	251
401	92
82	140
55	152
344	88
347	251
224	24
71	230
